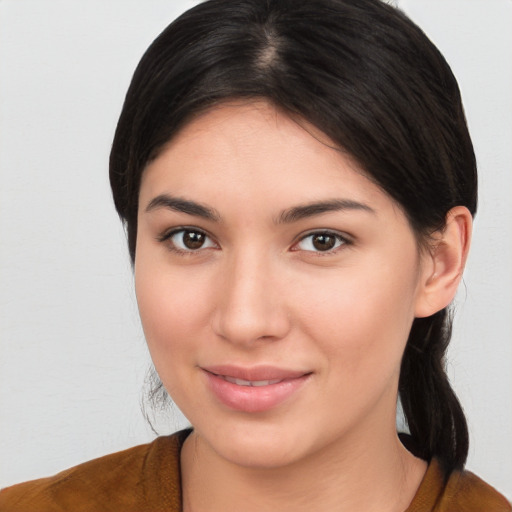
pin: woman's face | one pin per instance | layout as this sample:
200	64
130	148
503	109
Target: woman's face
276	285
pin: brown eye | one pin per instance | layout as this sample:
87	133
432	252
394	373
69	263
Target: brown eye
321	242
193	239
189	240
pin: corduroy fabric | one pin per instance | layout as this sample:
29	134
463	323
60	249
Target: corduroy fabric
147	478
463	492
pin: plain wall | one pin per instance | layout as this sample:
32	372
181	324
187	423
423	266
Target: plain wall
72	353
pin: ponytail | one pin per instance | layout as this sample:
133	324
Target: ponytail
434	415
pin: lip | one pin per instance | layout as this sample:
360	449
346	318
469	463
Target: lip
258	389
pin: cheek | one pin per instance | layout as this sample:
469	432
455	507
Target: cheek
173	320
362	320
174	314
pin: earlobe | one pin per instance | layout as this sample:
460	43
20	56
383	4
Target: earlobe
442	268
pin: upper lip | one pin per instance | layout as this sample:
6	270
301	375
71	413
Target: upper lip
255	373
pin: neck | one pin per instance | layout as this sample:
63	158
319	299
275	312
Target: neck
364	471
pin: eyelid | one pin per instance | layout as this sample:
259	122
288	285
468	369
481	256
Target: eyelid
343	237
346	239
166	236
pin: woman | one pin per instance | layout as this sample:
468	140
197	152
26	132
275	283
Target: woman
297	183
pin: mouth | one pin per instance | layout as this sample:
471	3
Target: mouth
255	389
254	383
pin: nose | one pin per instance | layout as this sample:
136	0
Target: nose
251	302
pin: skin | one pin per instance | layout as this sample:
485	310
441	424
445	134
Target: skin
259	292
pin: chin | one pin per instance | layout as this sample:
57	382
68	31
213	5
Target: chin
259	455
257	444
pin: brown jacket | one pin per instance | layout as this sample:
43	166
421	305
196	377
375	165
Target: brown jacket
147	479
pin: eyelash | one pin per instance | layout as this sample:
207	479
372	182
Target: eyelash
340	240
168	235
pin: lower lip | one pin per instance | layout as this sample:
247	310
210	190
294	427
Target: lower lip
253	398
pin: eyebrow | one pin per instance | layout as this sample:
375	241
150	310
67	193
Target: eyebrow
178	204
317	208
288	216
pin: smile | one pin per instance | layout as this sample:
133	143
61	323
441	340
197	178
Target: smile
255	383
254	390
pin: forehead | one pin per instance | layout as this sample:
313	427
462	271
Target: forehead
250	115
247	151
253	129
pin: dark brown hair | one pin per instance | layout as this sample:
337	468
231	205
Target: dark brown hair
370	79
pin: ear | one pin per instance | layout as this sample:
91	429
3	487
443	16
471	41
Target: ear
442	266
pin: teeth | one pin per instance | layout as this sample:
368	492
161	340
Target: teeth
238	382
254	383
265	382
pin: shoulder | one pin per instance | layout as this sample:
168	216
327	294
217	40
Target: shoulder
466	492
462	491
145	477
